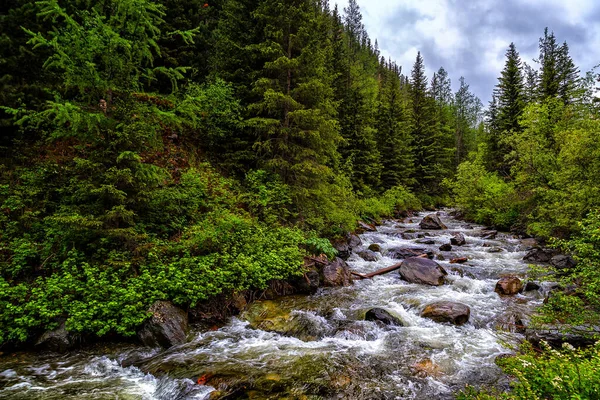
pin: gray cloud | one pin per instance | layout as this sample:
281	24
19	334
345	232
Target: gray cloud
470	38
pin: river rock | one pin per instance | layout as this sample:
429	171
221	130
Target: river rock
432	221
58	340
511	322
354	241
337	273
426	241
447	311
539	254
556	335
446	247
459	260
495	250
168	326
531	286
367	255
508	286
422	271
308	283
458	239
374	247
562	261
344	246
379	314
489	234
402	253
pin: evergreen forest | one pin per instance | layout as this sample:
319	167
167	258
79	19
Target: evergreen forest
184	149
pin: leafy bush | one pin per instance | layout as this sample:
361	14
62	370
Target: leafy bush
483	196
554	374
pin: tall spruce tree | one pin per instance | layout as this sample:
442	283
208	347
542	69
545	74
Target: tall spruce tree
393	133
433	157
293	116
511	103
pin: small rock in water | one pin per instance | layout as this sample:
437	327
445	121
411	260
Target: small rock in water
403	253
426	368
433	222
446	247
509	286
458	239
459	260
375	247
496	250
367	255
489	234
426	241
439	257
447	311
379	314
531	286
422	271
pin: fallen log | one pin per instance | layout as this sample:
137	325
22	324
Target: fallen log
383	270
378	272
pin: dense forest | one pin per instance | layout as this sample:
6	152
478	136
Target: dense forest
180	149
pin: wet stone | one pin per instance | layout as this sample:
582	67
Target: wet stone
368	255
447	311
458	239
381	315
422	271
375	248
446	247
508	286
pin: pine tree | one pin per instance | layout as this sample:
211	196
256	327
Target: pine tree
393	133
568	75
467	110
511	103
433	157
294	115
549	65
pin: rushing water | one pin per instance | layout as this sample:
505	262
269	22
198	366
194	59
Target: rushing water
327	350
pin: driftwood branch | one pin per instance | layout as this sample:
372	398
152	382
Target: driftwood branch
378	272
383	270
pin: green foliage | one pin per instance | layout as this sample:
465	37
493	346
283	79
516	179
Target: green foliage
483	196
554	374
317	246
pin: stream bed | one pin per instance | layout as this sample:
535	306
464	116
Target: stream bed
320	346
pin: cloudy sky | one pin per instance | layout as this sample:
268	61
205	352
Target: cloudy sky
469	37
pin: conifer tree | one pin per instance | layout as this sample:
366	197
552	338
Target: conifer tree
293	116
393	133
511	103
433	157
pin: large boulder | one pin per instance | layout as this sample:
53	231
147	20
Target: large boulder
337	273
508	286
345	245
432	221
563	262
307	283
58	340
539	254
422	271
489	234
402	253
379	314
556	335
458	239
447	311
168	326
